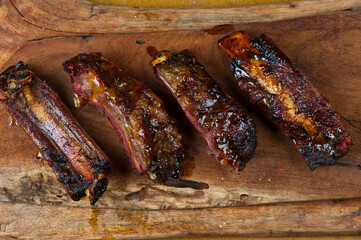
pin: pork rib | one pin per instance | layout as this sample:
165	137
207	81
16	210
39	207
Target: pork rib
228	131
150	137
79	164
275	86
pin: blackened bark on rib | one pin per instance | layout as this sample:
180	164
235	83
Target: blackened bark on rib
75	158
273	84
228	131
150	137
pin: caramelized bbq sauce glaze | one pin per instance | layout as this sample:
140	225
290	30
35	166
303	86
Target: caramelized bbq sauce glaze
273	84
149	135
229	132
77	161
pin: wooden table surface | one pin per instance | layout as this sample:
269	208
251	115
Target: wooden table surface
271	238
275	195
187	3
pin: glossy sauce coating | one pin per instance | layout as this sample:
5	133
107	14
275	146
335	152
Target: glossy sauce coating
273	84
229	132
75	158
148	134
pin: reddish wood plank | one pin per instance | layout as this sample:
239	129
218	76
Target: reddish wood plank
327	48
328	217
32	19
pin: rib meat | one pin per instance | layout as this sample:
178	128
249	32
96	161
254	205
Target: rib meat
274	85
79	164
229	132
148	134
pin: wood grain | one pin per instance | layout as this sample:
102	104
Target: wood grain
55	15
327	49
329	217
276	193
24	21
187	3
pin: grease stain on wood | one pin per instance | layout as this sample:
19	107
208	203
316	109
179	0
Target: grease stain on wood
93	221
152	51
146	15
220	29
183	183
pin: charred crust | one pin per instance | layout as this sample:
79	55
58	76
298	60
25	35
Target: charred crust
97	188
323	139
228	130
14	78
153	133
40	122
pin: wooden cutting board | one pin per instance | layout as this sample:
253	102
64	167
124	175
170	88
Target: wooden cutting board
275	195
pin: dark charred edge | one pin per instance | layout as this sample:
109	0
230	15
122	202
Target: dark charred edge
19	66
6	74
274	56
251	140
316	158
97	189
188	59
156	167
9	71
170	173
182	183
74	184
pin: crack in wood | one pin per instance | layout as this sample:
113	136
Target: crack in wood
348	165
149	192
183	20
8	194
11	2
350	122
84	37
43	38
41	27
353	214
92	14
